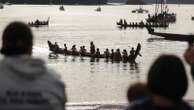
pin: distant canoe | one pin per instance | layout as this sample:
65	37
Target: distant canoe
142	25
38	23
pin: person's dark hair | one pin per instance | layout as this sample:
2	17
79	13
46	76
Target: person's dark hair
17	39
167	77
137	91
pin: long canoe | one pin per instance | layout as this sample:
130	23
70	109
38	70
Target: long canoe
39	23
138	25
130	59
172	36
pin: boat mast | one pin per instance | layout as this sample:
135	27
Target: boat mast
99	3
61	2
156	7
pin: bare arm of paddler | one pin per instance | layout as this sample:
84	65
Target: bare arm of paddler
189	57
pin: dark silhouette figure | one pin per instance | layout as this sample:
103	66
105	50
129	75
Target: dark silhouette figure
97	53
124	55
137	91
25	79
92	48
65	48
112	54
117	55
74	50
189	58
107	53
167	83
56	47
132	52
82	50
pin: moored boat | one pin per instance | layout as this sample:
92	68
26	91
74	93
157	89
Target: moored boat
162	14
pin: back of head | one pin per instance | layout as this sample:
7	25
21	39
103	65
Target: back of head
167	77
17	39
137	91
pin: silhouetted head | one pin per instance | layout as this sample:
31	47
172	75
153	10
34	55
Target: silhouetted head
137	91
167	77
17	39
97	49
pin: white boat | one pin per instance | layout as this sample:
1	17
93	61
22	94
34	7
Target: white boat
140	10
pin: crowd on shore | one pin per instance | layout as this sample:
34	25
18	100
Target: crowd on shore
26	82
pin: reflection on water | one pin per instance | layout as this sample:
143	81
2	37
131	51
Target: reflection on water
133	68
155	39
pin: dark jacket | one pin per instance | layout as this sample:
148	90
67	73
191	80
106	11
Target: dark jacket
148	105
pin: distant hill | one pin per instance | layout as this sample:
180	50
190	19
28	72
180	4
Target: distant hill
135	2
173	1
153	1
69	2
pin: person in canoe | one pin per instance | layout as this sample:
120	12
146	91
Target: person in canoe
92	48
106	53
124	55
97	54
117	55
112	54
65	48
73	50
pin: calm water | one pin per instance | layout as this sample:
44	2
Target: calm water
99	82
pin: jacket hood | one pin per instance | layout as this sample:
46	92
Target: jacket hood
25	66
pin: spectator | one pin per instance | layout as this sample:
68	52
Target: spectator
189	57
25	82
137	91
167	83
